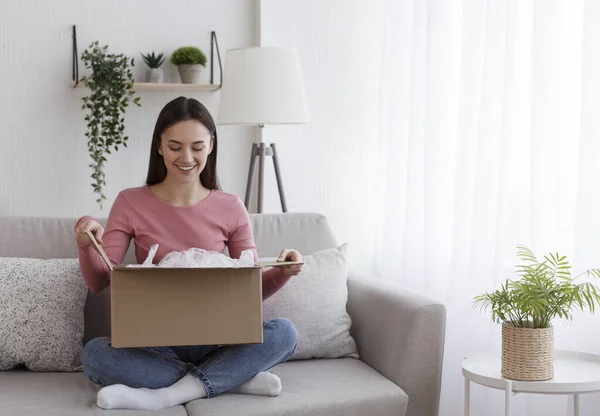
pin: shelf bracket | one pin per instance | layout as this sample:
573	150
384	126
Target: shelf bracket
75	59
213	44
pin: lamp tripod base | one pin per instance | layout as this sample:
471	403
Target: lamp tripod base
260	151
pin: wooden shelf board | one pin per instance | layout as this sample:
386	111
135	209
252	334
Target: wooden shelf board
152	86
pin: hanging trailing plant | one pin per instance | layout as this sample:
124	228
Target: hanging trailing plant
111	91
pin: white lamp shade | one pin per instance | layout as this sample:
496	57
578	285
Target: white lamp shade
262	85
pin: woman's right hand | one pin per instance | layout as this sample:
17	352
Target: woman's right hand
85	226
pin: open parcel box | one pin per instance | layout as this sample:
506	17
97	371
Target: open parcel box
161	306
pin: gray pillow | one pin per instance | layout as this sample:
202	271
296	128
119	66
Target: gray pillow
41	314
315	301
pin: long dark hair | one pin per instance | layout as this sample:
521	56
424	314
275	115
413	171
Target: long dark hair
180	109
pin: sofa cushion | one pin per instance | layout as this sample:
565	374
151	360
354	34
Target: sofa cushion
41	318
305	232
315	301
325	387
25	393
37	237
335	387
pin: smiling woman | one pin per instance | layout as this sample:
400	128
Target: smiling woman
184	144
180	207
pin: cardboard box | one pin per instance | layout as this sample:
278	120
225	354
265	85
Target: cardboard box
159	306
175	306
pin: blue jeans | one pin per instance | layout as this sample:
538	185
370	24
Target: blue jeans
219	368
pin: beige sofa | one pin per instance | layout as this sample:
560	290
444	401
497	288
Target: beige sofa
400	338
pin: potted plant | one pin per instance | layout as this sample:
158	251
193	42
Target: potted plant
526	308
111	89
189	61
154	62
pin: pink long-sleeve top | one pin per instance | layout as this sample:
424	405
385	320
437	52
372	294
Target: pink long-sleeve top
218	221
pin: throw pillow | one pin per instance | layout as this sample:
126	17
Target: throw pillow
315	301
41	314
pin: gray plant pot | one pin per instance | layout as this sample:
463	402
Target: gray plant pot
155	75
190	73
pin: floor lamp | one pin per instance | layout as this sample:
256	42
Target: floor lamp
262	86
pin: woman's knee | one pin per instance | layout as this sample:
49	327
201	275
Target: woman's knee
284	334
95	350
135	367
94	357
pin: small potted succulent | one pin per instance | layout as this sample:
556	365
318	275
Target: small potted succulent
189	61
526	307
155	74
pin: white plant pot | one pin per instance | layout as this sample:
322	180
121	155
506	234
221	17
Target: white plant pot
190	73
155	75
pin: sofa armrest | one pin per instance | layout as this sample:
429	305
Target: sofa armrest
401	335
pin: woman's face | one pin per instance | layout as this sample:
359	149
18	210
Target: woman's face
185	147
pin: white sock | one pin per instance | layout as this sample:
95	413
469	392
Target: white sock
119	396
262	384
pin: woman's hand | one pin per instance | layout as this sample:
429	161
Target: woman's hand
291	255
85	226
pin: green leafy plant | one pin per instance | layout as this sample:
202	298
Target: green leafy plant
111	90
188	55
545	291
153	61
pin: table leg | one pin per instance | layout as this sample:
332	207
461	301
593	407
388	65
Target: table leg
576	404
507	396
467	397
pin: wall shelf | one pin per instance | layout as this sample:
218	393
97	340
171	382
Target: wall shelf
165	86
151	86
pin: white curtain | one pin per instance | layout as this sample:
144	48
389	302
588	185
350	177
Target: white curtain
489	137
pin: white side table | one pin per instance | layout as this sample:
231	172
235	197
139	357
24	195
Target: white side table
574	373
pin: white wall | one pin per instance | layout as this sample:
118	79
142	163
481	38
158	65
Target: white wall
323	161
43	151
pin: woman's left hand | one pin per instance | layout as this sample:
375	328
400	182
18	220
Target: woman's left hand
291	255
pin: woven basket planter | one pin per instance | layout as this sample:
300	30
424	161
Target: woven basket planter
527	353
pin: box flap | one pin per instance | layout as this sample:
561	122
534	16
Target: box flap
100	250
276	263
